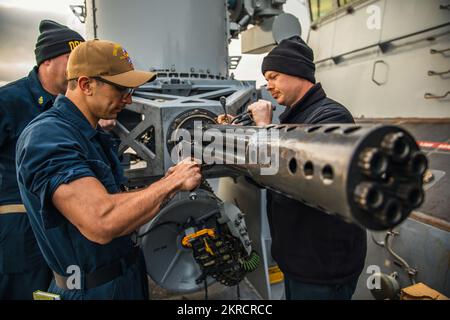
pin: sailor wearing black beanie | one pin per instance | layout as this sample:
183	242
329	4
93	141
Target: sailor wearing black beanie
292	56
23	269
54	40
320	255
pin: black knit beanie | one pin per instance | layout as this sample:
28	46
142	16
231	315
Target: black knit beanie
292	56
55	40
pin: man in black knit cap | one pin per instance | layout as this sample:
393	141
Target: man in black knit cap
320	255
22	267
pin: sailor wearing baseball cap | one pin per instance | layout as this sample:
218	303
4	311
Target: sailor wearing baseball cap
71	179
106	60
102	66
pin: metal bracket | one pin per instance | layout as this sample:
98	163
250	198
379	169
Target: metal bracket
79	12
379	83
434	51
428	95
435	73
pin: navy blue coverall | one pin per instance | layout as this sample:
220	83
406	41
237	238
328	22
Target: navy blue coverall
22	266
58	147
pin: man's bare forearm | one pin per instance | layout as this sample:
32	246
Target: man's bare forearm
101	216
130	210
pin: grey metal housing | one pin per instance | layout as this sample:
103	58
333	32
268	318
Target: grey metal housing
187	38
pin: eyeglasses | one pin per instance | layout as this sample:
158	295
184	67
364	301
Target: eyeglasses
124	91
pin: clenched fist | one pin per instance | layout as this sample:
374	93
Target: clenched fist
261	112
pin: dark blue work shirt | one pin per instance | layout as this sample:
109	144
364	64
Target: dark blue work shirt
20	102
58	147
308	244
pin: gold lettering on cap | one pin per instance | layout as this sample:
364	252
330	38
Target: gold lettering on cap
116	49
123	54
73	44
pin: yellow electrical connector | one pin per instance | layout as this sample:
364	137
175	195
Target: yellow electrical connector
275	275
186	240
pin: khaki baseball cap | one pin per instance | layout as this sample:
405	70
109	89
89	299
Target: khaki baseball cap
106	60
